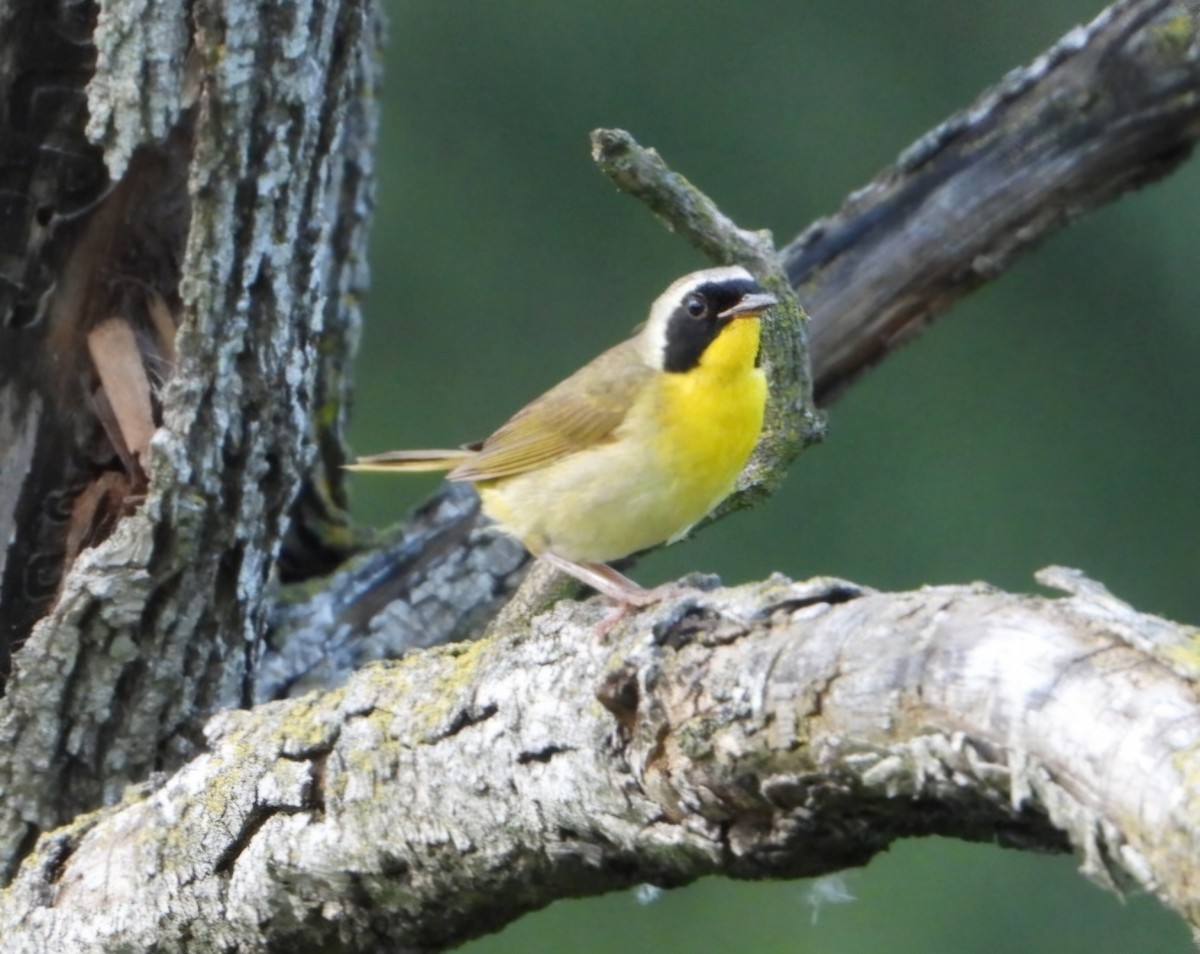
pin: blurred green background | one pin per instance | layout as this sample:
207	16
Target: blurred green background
1051	418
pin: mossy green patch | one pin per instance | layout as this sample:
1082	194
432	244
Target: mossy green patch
1176	36
1184	657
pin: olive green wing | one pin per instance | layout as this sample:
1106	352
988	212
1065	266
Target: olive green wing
578	413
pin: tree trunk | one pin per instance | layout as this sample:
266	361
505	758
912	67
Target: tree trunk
232	203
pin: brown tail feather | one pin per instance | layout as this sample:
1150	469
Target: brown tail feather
412	461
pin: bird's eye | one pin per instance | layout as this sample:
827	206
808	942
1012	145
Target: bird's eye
695	305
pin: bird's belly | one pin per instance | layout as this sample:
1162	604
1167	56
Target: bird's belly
629	494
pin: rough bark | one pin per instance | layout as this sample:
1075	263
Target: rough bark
270	112
774	730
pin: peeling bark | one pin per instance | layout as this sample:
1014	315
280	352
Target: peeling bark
773	730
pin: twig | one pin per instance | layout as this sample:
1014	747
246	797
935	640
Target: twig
792	421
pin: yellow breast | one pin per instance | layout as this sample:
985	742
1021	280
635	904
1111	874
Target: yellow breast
709	421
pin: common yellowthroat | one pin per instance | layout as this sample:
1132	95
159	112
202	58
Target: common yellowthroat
633	448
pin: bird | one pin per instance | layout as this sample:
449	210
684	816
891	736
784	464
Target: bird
634	448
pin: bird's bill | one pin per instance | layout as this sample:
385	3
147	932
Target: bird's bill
752	304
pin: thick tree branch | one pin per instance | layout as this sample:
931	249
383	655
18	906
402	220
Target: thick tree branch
767	731
1110	107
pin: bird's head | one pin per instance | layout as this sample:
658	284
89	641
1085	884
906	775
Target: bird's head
691	314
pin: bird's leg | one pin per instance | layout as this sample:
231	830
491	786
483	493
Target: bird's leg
604	579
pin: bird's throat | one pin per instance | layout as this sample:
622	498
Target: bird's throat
734	350
710	418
